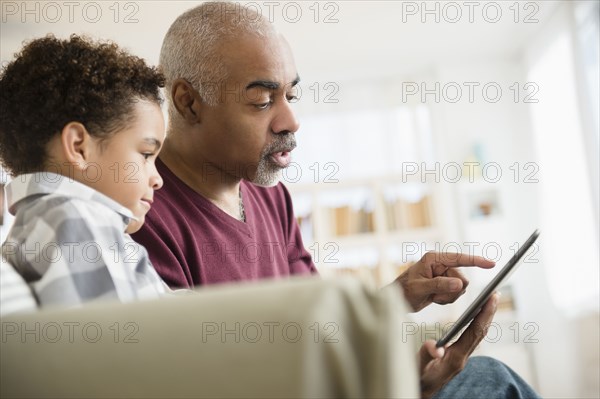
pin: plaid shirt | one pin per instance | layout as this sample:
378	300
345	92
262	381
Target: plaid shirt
68	243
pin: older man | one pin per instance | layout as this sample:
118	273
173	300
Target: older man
230	83
219	217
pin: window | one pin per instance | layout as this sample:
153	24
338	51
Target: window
363	144
569	233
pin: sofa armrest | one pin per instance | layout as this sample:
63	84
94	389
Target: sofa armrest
293	338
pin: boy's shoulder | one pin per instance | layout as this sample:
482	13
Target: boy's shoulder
58	208
60	200
59	218
59	226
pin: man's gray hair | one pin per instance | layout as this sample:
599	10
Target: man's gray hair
190	49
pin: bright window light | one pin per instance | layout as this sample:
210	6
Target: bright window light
569	244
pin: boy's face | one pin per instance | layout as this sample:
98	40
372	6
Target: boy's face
125	163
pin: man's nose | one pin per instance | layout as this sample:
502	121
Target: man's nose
285	121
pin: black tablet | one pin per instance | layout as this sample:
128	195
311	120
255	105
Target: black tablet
487	292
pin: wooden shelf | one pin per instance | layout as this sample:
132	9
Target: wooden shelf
353	253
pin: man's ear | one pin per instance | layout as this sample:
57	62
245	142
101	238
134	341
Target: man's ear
187	100
75	143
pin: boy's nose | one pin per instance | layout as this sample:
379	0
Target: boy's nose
156	182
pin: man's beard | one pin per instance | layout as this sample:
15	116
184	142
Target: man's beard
267	171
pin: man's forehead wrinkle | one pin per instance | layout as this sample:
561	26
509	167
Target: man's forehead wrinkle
272	78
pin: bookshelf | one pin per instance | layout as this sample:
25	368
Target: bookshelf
371	228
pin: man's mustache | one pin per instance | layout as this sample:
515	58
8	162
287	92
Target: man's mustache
282	143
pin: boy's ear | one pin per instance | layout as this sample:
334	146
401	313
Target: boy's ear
75	143
187	100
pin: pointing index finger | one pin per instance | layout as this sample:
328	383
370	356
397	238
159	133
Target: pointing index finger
449	259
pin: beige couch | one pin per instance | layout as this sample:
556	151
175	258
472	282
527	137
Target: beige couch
295	338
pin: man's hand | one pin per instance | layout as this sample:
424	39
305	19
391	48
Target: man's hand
435	279
437	366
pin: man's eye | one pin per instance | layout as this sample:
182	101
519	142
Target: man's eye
292	99
147	154
263	105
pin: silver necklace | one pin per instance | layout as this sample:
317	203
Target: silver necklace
242	210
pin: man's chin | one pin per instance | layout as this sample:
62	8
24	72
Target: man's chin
264	180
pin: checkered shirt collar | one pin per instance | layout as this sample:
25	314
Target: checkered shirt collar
47	183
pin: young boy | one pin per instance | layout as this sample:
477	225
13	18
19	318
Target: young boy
80	129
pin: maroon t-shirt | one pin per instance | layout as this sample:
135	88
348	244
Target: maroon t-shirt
192	242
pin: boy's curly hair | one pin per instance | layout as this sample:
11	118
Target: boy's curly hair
53	82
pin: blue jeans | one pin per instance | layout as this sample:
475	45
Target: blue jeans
486	378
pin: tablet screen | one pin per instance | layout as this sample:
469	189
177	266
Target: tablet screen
475	307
